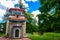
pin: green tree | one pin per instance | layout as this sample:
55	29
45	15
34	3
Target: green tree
30	25
2	27
51	22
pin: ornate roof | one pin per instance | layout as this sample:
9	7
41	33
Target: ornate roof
17	9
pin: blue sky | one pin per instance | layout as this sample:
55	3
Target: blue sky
31	5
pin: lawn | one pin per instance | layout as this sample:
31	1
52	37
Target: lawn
45	36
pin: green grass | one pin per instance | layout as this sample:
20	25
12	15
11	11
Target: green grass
46	36
2	34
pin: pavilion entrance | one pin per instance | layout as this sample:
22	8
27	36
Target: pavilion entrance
17	33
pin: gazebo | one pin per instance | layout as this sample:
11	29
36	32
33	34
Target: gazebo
16	23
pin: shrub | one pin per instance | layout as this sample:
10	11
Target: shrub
2	34
46	36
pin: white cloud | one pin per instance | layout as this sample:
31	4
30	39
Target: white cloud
35	13
28	0
15	1
34	0
8	4
1	18
31	0
25	4
2	12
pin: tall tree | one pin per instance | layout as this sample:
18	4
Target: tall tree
51	22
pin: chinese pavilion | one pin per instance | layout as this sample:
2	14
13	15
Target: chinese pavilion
16	23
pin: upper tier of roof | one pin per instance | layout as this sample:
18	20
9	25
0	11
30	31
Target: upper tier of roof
17	9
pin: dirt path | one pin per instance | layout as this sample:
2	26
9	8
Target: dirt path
13	39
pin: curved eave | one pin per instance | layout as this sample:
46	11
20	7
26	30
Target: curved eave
17	9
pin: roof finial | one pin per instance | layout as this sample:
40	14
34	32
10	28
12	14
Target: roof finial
20	3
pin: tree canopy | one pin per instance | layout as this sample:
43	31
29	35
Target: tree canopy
51	23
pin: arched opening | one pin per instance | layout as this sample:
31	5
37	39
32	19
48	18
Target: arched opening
16	33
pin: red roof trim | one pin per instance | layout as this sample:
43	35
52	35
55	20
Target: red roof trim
17	9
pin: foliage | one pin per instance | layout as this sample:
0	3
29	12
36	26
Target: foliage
4	27
51	23
30	25
47	5
46	36
2	34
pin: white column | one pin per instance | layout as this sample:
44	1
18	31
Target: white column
7	24
14	33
